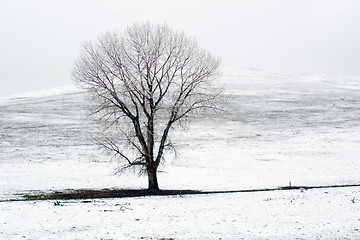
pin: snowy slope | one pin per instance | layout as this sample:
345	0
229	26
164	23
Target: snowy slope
275	128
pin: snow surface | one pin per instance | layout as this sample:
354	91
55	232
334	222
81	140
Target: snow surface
275	128
313	214
40	93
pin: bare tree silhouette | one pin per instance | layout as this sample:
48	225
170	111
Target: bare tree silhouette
144	81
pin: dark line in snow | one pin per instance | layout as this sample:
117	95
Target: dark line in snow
121	193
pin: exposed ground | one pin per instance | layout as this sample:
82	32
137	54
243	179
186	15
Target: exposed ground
276	129
91	194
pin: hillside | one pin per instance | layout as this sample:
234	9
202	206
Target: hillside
275	128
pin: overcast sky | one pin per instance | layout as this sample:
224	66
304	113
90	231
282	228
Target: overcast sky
40	39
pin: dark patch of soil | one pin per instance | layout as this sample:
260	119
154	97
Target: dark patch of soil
103	193
121	193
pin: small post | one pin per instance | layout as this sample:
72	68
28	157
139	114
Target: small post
289	184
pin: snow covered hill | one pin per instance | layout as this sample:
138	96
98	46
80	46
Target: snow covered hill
275	129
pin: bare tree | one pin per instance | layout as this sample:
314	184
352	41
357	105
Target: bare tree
144	81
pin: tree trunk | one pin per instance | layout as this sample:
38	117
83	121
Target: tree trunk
152	178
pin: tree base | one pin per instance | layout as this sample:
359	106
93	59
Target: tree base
153	190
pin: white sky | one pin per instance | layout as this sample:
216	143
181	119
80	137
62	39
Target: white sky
40	39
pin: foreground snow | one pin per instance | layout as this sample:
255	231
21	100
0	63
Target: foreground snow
276	128
312	214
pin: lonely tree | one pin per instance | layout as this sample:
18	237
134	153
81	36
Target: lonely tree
143	82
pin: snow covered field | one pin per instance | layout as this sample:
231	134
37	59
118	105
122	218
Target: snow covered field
313	214
276	128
